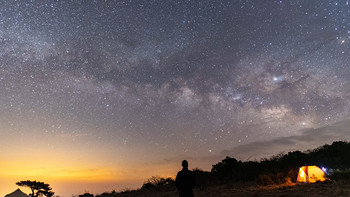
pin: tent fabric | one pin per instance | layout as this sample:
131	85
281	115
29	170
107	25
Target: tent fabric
17	193
310	174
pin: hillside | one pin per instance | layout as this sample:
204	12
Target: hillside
275	176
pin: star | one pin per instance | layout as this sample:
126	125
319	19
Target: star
123	85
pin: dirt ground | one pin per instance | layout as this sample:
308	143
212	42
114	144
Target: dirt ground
249	190
302	190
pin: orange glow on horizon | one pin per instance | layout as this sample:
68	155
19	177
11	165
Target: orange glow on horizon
71	177
72	169
32	170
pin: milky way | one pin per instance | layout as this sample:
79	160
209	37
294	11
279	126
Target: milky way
171	78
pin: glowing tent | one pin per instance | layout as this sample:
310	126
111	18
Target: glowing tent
310	174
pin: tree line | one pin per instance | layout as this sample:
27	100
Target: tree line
334	156
278	169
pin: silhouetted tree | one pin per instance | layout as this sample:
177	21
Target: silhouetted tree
281	166
227	168
38	188
336	155
86	195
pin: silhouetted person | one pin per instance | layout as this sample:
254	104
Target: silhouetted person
185	181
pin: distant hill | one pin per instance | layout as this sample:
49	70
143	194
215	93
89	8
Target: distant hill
234	175
17	193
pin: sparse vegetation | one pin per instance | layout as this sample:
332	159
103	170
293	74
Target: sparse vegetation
277	168
155	182
338	175
86	194
267	177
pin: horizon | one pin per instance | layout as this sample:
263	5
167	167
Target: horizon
101	95
68	188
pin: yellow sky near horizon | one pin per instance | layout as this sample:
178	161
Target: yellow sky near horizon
75	177
75	181
73	166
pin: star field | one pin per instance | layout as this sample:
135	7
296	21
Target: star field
146	81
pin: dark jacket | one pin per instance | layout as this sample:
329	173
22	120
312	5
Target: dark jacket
185	182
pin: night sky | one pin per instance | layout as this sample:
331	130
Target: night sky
101	95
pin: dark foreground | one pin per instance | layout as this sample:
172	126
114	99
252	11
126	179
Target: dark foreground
251	190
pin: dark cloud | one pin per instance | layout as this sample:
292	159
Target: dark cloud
306	139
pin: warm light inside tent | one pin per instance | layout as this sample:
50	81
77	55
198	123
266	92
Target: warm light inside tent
310	174
302	173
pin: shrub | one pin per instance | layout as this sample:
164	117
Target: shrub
293	174
107	194
288	181
271	179
86	195
265	180
340	175
156	182
279	178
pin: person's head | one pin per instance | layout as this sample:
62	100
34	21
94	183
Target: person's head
184	164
